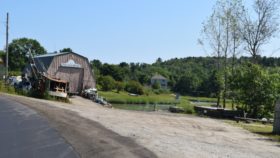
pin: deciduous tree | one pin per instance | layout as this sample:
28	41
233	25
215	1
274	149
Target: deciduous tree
259	28
68	50
220	33
18	52
257	90
107	83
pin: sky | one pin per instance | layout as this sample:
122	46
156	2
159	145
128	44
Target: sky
114	31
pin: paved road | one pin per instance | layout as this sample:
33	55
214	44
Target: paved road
25	134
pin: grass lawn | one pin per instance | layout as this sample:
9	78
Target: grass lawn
258	128
120	99
6	88
125	98
203	99
207	101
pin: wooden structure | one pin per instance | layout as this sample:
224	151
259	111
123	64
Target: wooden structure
217	112
55	87
67	66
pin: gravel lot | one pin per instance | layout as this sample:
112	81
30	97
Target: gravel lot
149	134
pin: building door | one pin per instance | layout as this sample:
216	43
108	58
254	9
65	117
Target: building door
74	76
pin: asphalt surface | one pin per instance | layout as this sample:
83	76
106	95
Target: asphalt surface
25	134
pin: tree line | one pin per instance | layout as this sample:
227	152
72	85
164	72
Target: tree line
250	85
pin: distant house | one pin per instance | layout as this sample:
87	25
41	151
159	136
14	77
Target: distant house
160	79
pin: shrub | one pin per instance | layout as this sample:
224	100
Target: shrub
189	109
134	87
119	86
107	83
161	91
156	85
186	105
256	89
6	88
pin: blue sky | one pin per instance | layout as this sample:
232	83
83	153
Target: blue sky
113	30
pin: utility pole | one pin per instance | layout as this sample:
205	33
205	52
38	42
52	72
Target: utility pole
7	49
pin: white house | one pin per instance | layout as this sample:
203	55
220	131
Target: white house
160	79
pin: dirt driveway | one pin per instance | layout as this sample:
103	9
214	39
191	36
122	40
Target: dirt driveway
165	135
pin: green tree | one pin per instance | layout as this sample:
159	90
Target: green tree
18	52
213	85
107	83
119	86
158	61
156	85
123	64
134	87
187	84
69	50
256	89
143	78
114	71
96	63
220	32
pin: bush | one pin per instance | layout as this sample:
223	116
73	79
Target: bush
134	87
156	85
186	105
119	86
189	109
6	88
161	91
256	89
107	83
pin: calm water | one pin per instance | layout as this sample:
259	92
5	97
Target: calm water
203	103
142	107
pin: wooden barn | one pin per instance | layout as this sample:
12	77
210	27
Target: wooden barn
67	66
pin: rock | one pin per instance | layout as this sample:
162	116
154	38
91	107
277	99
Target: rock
176	109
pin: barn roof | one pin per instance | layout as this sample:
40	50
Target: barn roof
57	54
44	61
